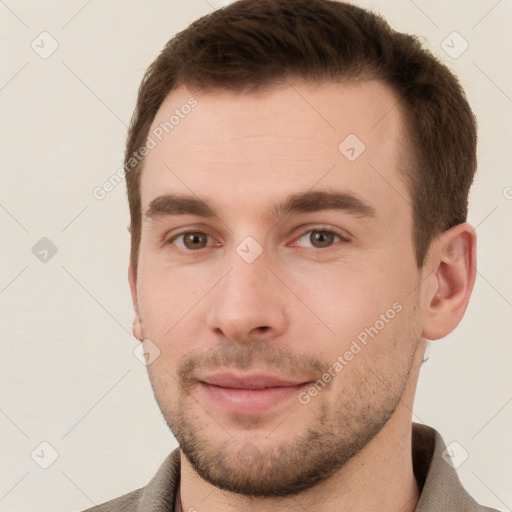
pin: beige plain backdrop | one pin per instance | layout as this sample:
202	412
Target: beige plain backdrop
78	421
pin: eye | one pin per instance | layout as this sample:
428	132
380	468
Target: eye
321	238
191	240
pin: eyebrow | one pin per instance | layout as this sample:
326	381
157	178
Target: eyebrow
303	202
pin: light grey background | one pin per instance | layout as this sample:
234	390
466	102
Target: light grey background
68	376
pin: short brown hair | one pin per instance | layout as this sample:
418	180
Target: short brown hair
253	44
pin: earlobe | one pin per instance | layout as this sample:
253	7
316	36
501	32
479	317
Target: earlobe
132	280
453	258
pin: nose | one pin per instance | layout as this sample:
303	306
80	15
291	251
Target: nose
249	302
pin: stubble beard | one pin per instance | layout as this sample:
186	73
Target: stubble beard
300	460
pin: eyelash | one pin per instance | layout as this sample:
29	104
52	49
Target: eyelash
342	237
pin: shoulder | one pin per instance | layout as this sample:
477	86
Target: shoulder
158	494
126	503
437	478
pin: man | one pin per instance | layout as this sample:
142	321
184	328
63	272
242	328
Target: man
298	175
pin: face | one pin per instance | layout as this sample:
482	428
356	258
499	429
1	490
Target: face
276	279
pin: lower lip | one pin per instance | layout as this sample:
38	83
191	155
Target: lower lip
250	401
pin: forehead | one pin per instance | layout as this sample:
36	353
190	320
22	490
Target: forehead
287	139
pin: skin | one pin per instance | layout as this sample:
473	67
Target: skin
299	305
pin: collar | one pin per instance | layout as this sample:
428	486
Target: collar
440	487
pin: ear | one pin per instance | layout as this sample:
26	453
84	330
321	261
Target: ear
453	260
132	280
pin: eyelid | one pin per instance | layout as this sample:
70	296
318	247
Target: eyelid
304	230
341	234
198	230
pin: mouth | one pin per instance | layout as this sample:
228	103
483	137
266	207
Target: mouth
250	394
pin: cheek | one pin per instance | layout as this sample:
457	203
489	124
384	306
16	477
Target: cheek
160	283
162	302
369	308
347	300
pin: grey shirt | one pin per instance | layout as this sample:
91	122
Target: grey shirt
440	487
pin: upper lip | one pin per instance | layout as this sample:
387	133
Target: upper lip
249	381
